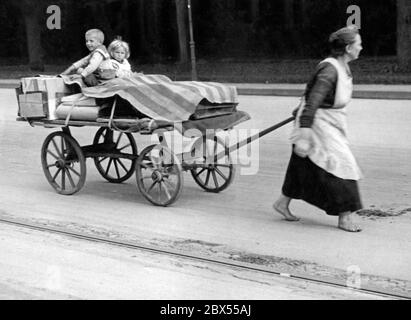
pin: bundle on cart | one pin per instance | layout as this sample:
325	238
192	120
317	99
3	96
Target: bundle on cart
158	97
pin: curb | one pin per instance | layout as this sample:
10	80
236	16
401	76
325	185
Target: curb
9	84
357	94
389	92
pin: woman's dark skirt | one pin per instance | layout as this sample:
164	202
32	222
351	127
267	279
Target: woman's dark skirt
306	181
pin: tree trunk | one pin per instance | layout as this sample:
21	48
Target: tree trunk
254	9
404	34
141	27
125	9
288	14
31	13
304	13
152	8
182	30
101	20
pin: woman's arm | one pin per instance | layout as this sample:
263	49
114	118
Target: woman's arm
325	82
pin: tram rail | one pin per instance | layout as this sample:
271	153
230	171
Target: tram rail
366	289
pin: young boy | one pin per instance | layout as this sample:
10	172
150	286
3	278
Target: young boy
96	66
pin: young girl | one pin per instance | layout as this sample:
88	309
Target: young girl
120	52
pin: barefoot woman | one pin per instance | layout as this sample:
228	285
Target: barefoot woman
322	170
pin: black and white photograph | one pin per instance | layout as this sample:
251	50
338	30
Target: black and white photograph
205	154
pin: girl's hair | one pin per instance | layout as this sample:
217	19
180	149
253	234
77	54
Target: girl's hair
341	38
119	44
96	33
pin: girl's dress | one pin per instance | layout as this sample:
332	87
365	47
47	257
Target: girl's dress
123	69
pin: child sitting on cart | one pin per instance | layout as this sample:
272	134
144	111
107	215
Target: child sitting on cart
120	51
97	65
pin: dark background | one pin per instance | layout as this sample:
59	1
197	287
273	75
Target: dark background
224	30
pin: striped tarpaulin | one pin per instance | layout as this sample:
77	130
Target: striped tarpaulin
160	98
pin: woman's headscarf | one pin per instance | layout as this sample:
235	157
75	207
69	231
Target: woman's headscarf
341	38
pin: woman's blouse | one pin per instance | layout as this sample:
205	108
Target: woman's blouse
320	93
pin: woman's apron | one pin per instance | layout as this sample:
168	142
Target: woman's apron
330	149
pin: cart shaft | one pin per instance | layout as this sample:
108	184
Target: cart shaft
257	136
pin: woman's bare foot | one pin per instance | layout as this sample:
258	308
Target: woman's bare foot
284	211
345	223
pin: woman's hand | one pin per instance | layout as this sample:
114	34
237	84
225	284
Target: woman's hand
304	144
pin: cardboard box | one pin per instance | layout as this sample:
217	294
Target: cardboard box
33	105
53	87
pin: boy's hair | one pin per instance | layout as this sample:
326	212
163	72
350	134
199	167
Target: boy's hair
119	44
96	33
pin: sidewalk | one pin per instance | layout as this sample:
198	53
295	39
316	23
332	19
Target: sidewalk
9	83
361	91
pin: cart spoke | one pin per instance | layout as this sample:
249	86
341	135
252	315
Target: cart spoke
221	174
70	178
208	177
126	146
202	170
63	179
57	149
53	155
102	159
122	165
51	165
160	190
74	171
224	165
170	184
152	186
215	179
109	165
166	191
116	167
55	175
118	139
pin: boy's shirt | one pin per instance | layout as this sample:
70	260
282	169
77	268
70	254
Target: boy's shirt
94	62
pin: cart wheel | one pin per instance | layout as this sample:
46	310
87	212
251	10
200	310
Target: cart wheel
116	170
210	173
159	175
63	163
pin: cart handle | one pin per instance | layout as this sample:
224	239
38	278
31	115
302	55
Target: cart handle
252	138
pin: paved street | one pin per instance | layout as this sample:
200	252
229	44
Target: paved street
238	223
67	268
